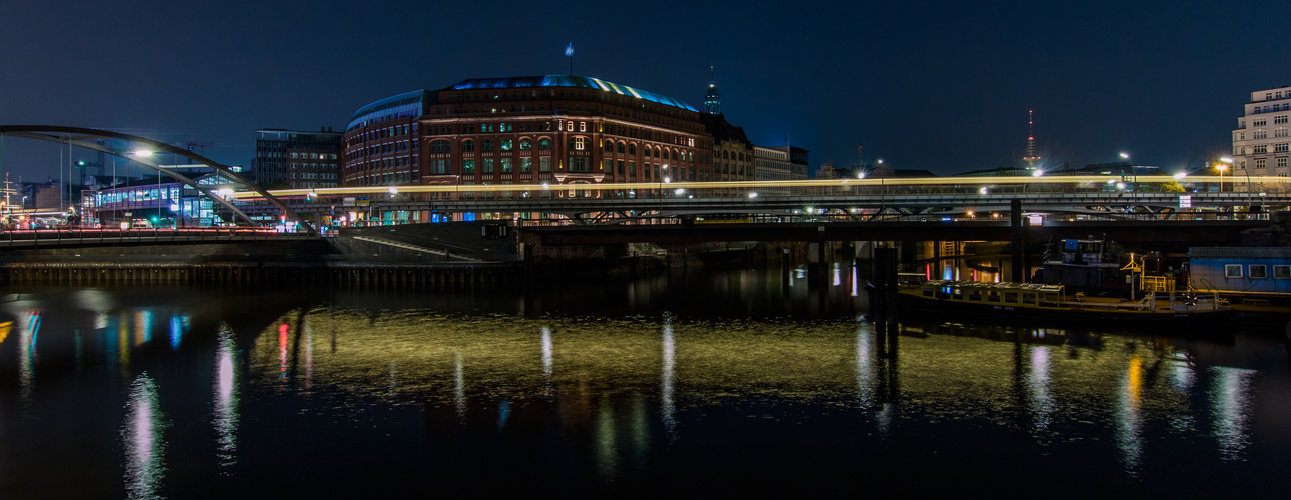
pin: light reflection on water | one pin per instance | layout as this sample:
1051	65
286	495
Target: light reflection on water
145	461
225	418
1231	403
619	399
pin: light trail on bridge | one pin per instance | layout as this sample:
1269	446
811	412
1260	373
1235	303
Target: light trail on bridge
880	182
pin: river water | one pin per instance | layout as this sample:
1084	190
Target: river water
739	382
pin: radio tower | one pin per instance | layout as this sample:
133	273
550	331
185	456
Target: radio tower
1031	158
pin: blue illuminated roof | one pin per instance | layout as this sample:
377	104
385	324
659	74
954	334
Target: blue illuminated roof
402	105
518	82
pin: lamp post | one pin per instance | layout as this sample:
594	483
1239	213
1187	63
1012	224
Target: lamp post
1229	161
1221	167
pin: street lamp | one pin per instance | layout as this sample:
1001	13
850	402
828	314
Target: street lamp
1229	161
1221	167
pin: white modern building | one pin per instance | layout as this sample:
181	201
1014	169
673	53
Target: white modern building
1262	140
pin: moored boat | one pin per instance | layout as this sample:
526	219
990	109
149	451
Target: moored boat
1030	300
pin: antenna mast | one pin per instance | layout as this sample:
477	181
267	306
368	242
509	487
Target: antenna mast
1031	158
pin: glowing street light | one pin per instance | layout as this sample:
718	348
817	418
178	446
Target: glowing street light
753	195
1221	167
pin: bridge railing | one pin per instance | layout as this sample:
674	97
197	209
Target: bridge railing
73	235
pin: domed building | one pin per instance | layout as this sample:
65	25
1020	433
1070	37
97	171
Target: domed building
554	129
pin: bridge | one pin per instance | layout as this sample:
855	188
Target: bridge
1057	198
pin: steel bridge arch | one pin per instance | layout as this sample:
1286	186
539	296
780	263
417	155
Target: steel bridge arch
84	138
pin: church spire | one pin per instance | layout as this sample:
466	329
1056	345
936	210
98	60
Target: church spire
712	100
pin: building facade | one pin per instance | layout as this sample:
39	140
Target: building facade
733	158
1262	139
298	159
549	131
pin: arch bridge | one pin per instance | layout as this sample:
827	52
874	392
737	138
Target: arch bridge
96	140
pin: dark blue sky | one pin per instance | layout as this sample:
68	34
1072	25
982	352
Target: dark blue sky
942	86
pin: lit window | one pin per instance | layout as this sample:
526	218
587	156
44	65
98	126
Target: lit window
526	144
504	144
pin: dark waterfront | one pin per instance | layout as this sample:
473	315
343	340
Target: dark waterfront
726	382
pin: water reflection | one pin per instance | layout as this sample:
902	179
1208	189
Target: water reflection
1129	418
28	332
225	411
546	359
145	464
668	405
638	397
1230	406
1040	401
865	369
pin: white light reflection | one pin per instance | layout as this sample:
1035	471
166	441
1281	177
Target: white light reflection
225	418
392	381
546	358
1230	406
1040	403
459	386
28	331
1129	416
838	274
668	405
141	436
1182	377
855	287
865	369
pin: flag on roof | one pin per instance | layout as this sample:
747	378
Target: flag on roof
569	51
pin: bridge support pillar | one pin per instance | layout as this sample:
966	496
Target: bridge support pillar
1016	231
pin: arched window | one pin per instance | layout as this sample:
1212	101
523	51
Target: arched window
440	146
486	145
726	155
526	144
609	146
632	148
504	144
657	152
468	146
544	143
620	147
741	156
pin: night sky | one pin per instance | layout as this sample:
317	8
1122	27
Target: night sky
941	86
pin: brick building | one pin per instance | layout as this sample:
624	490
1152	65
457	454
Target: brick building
554	130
